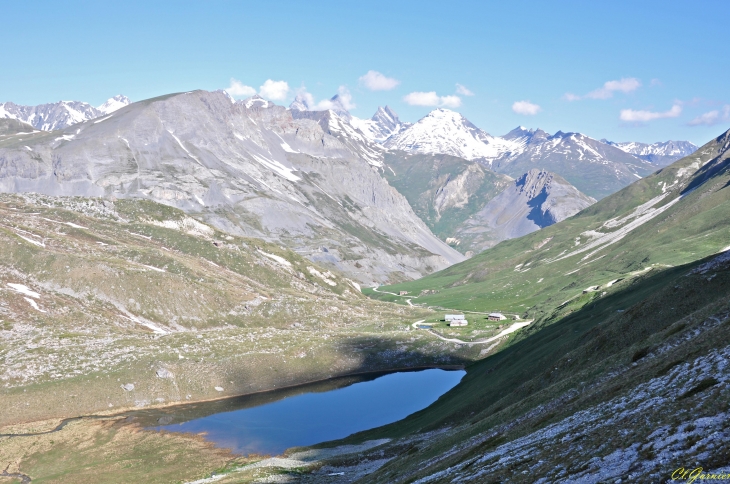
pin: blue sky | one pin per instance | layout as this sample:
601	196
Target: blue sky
666	63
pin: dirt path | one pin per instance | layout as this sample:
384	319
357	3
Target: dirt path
504	332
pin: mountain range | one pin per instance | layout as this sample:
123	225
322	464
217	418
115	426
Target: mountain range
473	208
660	154
464	200
597	168
190	246
250	168
53	116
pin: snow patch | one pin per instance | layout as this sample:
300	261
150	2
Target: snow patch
23	289
276	258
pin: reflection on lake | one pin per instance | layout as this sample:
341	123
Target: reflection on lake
269	423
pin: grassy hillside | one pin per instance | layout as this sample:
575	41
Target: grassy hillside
638	368
672	217
624	368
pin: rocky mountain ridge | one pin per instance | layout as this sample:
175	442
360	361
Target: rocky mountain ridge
53	116
250	168
660	153
473	208
533	201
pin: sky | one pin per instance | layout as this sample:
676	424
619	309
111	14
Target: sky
626	71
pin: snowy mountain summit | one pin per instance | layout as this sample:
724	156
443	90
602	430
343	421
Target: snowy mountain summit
447	132
114	103
660	153
53	116
384	124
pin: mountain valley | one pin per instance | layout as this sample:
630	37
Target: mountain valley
192	247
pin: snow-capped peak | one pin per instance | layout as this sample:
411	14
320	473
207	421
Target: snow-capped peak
300	103
114	103
654	152
448	132
381	126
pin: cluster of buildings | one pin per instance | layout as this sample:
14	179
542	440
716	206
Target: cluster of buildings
460	320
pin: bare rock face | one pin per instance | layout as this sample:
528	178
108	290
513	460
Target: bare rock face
535	200
249	168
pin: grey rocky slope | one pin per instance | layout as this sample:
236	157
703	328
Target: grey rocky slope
660	153
248	168
535	200
52	116
473	208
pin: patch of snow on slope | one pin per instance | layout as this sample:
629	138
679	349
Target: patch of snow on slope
277	167
34	304
183	147
23	289
276	258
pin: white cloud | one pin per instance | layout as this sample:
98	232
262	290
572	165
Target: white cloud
238	89
625	84
432	99
375	81
274	90
713	117
451	101
463	90
325	104
526	107
644	116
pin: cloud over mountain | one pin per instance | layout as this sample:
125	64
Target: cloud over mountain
633	116
432	99
526	108
239	89
463	90
274	90
712	117
375	81
625	85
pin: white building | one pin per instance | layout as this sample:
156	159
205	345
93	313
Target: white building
458	322
496	316
453	317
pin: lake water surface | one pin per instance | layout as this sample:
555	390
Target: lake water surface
271	422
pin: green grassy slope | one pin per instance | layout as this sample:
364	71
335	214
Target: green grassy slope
635	369
684	218
609	349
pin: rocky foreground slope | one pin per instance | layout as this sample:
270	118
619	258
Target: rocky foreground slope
248	168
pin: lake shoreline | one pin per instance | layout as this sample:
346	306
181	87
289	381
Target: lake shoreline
125	411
